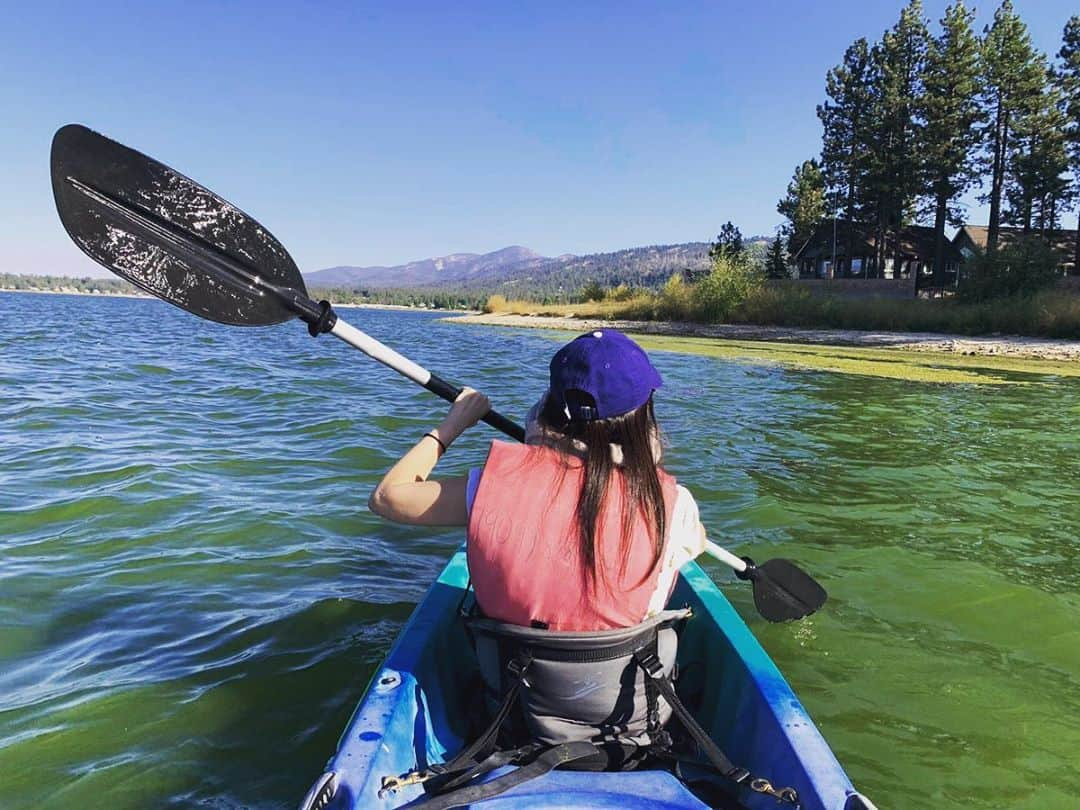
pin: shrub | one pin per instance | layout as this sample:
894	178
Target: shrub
495	303
673	303
592	291
1023	267
731	282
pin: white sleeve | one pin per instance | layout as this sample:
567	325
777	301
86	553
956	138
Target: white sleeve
686	541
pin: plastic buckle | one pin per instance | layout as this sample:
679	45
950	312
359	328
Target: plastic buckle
518	665
739	775
649	662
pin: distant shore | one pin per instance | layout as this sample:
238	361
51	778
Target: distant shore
78	292
1014	346
153	298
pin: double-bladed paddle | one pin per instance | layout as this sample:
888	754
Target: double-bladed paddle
172	237
181	242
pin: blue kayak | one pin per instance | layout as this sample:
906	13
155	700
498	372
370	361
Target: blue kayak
413	715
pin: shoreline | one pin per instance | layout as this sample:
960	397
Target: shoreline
79	292
1012	346
147	296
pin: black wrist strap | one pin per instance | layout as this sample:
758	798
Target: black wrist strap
442	444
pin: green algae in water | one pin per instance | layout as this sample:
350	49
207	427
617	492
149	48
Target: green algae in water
896	363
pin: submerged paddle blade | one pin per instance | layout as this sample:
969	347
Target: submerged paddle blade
170	236
784	592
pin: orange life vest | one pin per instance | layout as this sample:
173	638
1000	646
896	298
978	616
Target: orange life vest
523	547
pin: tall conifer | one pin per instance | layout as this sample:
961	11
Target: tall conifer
1068	81
953	117
846	122
803	205
1013	77
899	141
728	244
1035	187
775	262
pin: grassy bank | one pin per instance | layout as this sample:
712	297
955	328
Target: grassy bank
1052	313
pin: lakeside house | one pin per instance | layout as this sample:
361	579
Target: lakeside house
971	241
842	249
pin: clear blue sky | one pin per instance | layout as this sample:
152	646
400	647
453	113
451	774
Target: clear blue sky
377	134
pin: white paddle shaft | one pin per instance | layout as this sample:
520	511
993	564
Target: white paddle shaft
418	374
725	556
378	351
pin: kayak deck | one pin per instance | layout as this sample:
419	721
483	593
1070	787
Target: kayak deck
411	715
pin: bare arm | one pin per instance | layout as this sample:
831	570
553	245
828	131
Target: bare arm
405	495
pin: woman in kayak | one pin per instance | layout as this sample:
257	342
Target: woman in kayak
581	530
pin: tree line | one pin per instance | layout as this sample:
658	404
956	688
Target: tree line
85	284
915	120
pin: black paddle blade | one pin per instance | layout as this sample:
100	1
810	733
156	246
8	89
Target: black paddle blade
170	236
784	592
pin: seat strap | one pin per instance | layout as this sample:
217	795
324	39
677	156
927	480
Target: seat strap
491	762
485	743
654	671
546	762
471	760
658	737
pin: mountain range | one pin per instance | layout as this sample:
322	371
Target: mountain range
515	268
453	269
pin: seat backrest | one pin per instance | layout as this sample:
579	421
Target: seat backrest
580	686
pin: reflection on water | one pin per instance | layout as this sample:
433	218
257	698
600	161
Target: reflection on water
192	591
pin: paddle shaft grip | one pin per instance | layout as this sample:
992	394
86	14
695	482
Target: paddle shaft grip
725	556
440	387
417	373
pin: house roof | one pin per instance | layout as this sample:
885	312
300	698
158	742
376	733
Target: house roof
1063	240
915	241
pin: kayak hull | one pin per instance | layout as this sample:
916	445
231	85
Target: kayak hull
411	716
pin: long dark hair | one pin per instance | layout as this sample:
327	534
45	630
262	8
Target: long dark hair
637	435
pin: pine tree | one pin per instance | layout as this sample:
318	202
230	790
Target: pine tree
775	262
953	118
803	205
1014	75
1068	82
846	120
899	133
728	244
1035	186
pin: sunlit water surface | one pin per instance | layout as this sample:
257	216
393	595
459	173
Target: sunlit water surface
193	593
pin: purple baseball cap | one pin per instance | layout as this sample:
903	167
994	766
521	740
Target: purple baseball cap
608	366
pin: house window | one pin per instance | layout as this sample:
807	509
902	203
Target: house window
856	266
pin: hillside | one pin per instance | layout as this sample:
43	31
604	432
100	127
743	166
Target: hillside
444	270
520	272
635	267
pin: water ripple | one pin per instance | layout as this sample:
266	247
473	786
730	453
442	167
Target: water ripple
191	583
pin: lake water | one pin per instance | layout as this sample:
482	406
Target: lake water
193	593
